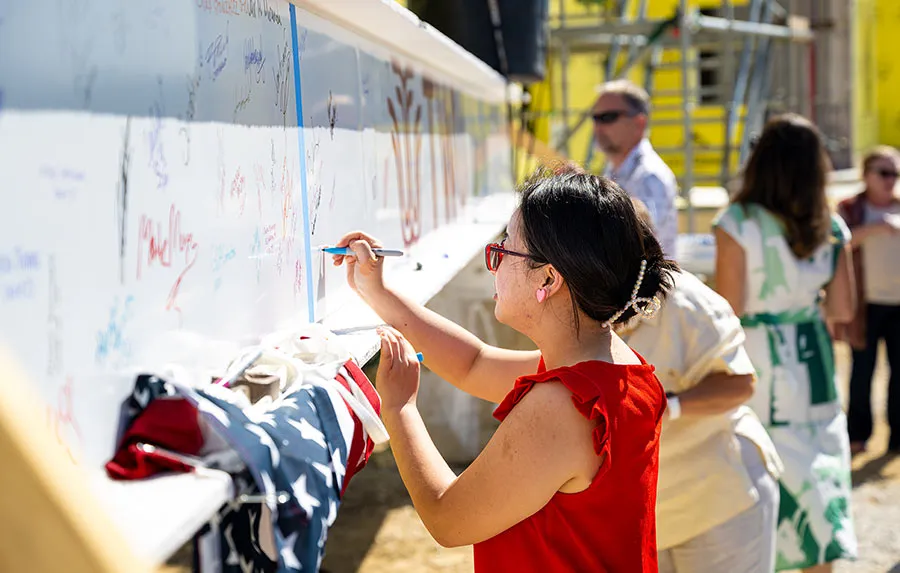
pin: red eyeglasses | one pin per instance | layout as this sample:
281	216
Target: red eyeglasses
493	255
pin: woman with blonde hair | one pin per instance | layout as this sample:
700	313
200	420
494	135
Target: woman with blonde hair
778	247
874	219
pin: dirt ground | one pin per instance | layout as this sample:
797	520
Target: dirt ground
876	487
378	531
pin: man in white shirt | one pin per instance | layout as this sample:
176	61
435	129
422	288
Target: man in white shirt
621	116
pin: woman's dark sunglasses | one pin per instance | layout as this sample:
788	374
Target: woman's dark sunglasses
493	255
887	174
612	116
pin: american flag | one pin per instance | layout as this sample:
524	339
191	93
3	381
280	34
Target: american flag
293	458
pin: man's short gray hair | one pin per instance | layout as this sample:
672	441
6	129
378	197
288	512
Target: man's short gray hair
636	97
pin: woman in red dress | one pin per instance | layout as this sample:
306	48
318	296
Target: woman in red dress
568	481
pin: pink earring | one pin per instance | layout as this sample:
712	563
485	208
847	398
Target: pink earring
541	294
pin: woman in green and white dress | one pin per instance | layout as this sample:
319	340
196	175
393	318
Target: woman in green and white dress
779	250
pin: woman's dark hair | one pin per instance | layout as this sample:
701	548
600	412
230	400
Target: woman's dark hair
586	227
787	173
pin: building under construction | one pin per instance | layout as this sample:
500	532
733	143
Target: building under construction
715	69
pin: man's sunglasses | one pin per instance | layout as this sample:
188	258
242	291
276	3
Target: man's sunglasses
887	173
493	255
611	116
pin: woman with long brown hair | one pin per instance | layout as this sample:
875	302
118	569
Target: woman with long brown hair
778	248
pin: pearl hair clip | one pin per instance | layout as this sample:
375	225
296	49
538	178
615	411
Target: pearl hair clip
650	306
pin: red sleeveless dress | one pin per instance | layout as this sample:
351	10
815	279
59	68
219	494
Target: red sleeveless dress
611	525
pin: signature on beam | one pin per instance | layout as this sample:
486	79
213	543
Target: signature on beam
215	57
61	420
282	77
17	274
66	182
157	161
112	341
254	61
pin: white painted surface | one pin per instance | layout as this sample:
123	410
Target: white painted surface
164	187
159	515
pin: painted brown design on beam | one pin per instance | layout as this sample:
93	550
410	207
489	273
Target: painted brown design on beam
431	90
442	126
406	137
448	144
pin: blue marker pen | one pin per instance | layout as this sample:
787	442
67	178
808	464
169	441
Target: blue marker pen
349	251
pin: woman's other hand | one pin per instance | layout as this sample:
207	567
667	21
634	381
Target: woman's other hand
397	379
